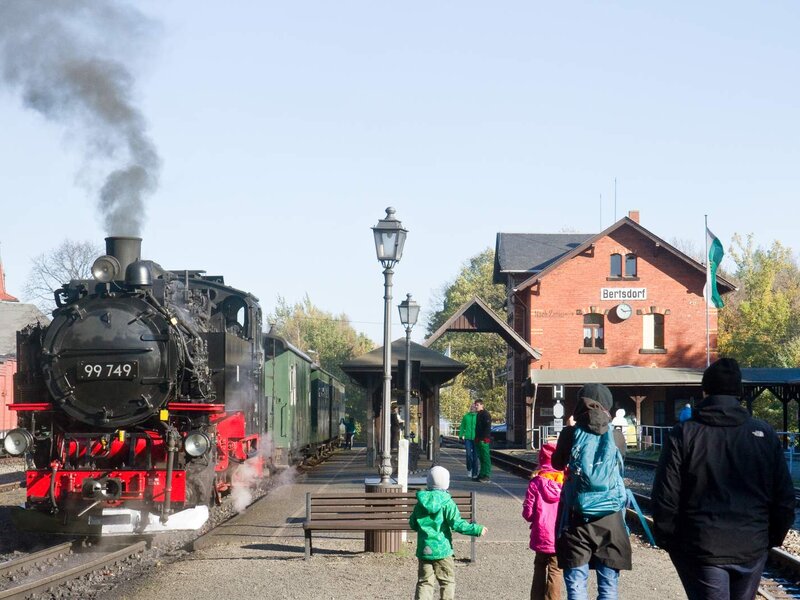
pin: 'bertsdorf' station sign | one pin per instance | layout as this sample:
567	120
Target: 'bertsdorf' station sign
623	293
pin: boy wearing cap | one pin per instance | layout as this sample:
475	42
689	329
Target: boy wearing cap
722	494
434	519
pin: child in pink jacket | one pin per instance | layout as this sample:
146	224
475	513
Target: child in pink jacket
541	510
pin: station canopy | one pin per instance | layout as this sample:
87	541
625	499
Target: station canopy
435	368
619	376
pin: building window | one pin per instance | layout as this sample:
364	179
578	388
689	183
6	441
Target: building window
593	334
653	332
616	265
630	265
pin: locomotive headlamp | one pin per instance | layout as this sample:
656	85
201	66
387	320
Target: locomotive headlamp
17	441
106	268
196	443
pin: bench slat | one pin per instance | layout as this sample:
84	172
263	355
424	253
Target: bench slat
356	525
363	513
395	516
413	495
374	502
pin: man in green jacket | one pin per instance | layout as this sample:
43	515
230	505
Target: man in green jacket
434	519
466	433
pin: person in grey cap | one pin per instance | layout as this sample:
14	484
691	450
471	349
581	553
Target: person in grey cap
600	542
722	495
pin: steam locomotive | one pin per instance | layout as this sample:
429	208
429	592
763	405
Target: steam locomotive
149	397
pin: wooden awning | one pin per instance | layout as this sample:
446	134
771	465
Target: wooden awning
476	316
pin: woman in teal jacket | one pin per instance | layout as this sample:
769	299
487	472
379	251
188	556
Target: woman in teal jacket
434	519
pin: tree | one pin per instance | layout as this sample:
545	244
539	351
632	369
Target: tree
483	353
70	260
760	324
328	338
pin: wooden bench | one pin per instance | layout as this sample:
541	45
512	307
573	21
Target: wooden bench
372	511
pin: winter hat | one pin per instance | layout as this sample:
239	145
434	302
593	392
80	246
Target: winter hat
723	377
597	392
438	478
545	457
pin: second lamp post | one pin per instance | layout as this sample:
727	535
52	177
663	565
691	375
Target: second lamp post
389	240
409	311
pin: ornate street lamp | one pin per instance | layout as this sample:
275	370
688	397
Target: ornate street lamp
390	237
409	311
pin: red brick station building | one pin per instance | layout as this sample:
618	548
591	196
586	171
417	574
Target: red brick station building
621	307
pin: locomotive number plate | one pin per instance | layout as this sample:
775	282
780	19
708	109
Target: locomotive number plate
92	371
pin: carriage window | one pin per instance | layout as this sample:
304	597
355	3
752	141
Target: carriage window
593	331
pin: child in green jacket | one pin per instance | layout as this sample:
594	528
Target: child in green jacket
434	519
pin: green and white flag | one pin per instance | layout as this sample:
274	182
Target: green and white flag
715	254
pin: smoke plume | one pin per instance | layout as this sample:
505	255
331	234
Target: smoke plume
69	60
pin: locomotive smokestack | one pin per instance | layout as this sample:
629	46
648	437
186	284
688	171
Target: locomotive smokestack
125	249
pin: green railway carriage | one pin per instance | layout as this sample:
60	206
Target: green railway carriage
302	401
327	407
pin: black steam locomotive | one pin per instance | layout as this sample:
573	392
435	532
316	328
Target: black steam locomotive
141	402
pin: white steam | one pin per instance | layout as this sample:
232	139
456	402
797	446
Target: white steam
246	480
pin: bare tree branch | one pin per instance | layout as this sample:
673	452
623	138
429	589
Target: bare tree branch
49	271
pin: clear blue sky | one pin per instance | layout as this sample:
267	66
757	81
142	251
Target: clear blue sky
286	128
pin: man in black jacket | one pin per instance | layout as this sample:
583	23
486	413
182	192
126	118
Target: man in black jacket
722	493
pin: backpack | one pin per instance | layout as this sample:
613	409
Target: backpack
594	487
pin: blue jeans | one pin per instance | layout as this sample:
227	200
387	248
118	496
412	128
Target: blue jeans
714	582
577	580
473	465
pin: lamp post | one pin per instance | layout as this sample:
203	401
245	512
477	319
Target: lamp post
409	311
389	240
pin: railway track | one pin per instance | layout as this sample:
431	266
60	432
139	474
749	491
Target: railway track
781	576
61	565
25	575
652	464
8	487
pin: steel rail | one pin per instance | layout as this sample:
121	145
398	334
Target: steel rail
10	487
24	590
11	566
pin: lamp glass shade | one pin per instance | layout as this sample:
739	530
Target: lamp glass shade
389	244
409	311
390	237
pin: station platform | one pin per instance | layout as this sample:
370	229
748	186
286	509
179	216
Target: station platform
260	553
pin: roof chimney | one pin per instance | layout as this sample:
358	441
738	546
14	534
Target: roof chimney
633	215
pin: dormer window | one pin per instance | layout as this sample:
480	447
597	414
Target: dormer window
618	262
630	265
616	266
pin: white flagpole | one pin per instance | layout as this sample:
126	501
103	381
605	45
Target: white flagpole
708	292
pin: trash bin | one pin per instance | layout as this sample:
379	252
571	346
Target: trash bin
382	540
